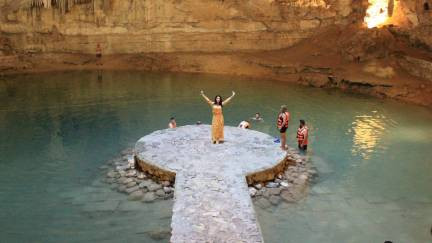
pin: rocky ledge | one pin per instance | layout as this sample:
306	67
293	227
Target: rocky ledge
288	186
124	177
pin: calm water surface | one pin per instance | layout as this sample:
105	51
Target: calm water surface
373	157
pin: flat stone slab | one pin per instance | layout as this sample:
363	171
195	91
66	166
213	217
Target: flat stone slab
212	202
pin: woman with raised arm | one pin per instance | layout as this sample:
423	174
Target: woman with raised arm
218	119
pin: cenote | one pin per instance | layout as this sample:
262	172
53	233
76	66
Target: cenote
373	157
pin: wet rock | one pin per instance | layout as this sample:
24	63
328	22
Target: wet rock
121	188
169	195
266	193
131	184
275	200
132	189
114	186
154	187
159	235
122	167
136	196
274	191
112	174
149	197
258	186
272	185
165	183
263	203
284	184
299	181
131	173
160	193
127	181
141	176
252	191
168	189
303	177
145	184
312	172
287	197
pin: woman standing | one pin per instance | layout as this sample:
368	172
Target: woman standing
218	119
282	125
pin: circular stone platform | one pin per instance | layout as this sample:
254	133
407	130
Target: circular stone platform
212	201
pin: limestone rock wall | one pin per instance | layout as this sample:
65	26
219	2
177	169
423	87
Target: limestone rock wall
135	26
414	20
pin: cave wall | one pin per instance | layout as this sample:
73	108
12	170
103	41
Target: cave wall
415	21
136	26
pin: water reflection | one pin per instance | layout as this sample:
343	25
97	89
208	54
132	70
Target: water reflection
368	131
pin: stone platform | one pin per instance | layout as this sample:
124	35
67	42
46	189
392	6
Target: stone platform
212	202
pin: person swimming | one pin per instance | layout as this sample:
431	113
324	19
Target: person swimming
257	117
172	123
244	125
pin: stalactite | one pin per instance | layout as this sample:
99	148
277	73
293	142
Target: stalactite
62	5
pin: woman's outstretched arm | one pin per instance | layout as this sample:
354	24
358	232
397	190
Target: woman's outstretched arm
206	98
229	99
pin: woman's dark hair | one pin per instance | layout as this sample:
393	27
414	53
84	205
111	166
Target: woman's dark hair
220	102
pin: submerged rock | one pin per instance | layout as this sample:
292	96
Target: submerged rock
274	191
112	174
131	184
263	203
154	187
132	189
149	197
136	196
274	200
160	193
287	197
159	235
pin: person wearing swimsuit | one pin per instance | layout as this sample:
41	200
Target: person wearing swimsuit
282	125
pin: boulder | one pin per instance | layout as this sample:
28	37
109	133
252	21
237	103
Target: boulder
263	203
149	197
160	193
136	196
132	189
275	200
252	191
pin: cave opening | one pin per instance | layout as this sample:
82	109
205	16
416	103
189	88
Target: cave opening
426	6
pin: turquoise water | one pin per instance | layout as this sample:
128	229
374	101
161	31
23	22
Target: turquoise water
373	157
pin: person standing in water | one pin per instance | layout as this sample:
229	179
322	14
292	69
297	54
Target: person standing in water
218	119
302	136
282	125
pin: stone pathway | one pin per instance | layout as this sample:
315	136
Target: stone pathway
212	202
